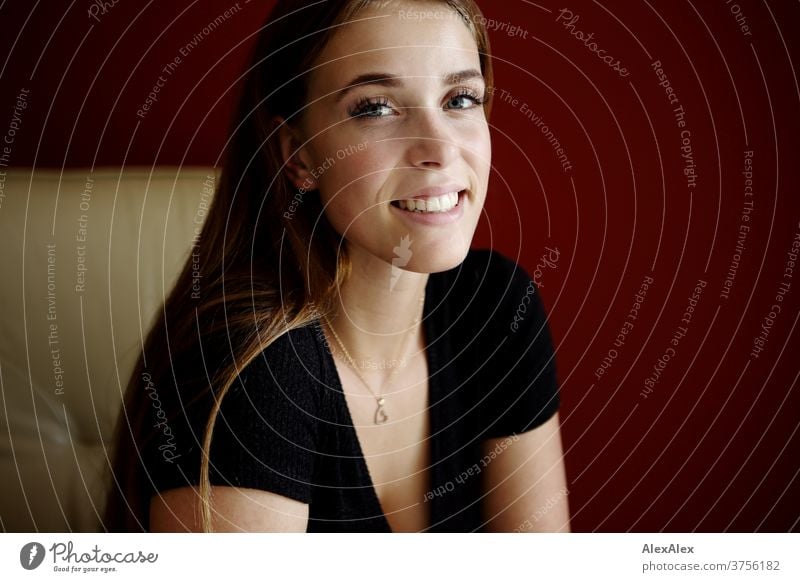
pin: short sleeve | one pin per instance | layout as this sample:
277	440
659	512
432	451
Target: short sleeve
521	375
266	430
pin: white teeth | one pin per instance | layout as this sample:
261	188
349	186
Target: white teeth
442	203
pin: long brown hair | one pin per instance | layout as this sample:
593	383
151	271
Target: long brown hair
263	272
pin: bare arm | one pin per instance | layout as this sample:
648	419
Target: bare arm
526	484
233	510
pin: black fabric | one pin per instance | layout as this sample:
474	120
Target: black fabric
285	426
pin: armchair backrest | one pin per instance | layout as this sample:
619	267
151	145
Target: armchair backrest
86	259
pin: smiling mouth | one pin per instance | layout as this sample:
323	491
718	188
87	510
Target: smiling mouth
431	205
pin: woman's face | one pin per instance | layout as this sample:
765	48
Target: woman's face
394	114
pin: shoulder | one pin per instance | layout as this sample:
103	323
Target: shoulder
490	267
499	282
292	356
491	300
266	429
509	332
290	369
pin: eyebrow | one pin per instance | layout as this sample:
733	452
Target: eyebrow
389	80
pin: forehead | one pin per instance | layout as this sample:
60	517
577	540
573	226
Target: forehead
401	38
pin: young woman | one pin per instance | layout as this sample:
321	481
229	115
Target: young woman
350	363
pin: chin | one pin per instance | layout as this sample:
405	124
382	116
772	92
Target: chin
442	254
436	262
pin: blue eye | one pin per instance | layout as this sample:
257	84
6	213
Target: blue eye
379	106
466	98
370	107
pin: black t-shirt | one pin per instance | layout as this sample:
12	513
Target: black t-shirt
285	427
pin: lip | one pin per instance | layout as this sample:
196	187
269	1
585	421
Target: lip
434	191
434	218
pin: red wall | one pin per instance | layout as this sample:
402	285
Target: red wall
714	445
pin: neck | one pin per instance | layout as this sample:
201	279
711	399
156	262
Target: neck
379	315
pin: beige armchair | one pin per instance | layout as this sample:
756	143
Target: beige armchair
87	258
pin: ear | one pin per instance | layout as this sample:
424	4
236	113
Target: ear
297	162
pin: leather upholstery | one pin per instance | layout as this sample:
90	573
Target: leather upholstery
66	350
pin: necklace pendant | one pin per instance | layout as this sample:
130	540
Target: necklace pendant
380	413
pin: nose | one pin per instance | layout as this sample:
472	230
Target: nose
431	144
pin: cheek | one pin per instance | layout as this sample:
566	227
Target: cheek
356	176
479	152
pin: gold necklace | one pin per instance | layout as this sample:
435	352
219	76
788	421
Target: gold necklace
380	412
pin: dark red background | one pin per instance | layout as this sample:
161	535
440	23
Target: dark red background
715	446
